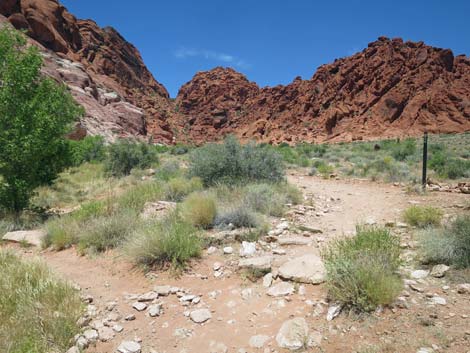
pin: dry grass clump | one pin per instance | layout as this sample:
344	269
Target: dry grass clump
199	209
422	216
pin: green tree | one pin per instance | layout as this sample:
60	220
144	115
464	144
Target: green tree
35	115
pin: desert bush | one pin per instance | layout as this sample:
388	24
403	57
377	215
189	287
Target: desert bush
178	188
125	155
239	216
401	150
422	216
136	196
231	162
107	232
199	209
90	149
449	245
361	271
171	241
265	199
38	313
168	170
61	233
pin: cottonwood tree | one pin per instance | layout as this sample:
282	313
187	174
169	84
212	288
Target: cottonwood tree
35	115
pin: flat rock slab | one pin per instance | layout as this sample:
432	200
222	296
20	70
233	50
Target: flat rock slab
294	241
129	347
281	289
201	315
293	334
32	237
305	269
262	263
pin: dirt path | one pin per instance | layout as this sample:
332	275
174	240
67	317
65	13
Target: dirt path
240	308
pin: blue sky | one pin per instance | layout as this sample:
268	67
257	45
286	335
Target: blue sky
270	41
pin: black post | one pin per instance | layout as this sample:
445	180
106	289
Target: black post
425	159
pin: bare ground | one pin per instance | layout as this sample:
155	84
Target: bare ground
338	206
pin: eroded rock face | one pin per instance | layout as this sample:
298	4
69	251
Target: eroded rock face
96	62
390	89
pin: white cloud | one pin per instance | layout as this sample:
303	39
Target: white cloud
183	53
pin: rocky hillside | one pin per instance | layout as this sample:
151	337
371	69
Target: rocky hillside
106	74
392	88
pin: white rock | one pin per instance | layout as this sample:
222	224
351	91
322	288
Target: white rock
463	288
129	347
281	289
211	250
247	293
187	298
201	315
32	237
106	334
438	300
425	350
258	341
283	226
228	250
419	274
304	269
439	271
293	334
91	335
162	290
333	311
267	280
247	249
147	297
155	310
139	306
262	263
118	328
217	266
74	349
294	241
279	252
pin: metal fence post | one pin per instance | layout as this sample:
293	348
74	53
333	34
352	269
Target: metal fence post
425	159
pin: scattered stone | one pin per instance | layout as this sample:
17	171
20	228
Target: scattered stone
182	333
463	288
228	250
129	347
31	237
217	266
267	280
105	333
247	249
74	349
147	297
439	271
118	328
419	274
293	334
155	309
262	263
438	300
304	269
281	289
217	347
258	341
130	317
91	335
201	315
139	306
162	290
211	250
247	293
333	311
425	350
187	298
279	252
294	241
81	342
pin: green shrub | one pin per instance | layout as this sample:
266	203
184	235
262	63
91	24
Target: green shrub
449	245
107	232
61	233
168	170
231	162
199	209
178	188
265	199
171	241
404	149
125	155
239	216
361	271
90	149
135	197
35	115
38	313
422	216
90	210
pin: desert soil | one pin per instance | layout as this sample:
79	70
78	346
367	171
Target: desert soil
241	309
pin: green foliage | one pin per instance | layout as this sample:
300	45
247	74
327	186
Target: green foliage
134	198
199	209
361	271
239	216
35	115
61	233
38	313
171	241
90	149
422	216
231	162
270	199
176	189
125	155
168	170
449	245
